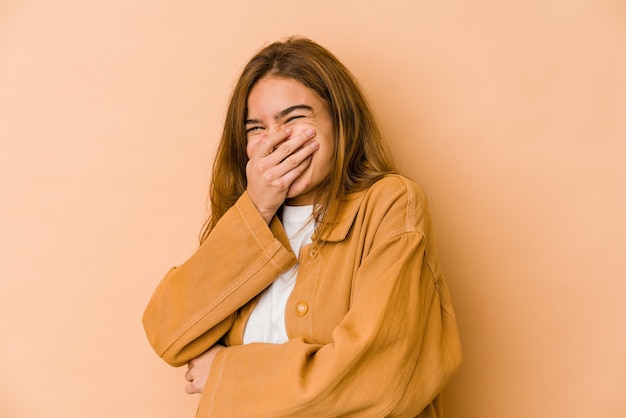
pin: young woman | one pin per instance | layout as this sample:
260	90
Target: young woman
316	290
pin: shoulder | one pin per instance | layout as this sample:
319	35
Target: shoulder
393	186
397	200
392	205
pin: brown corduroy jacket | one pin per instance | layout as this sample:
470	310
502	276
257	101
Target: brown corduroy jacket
371	327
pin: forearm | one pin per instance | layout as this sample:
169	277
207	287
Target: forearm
193	306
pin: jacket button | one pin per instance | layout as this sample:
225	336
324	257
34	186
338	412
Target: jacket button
302	308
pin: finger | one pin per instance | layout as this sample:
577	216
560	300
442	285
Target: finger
295	161
189	389
282	176
291	145
192	388
286	180
268	144
287	157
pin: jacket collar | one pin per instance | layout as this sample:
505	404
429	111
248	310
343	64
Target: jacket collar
346	213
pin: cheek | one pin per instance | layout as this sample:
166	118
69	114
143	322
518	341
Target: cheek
323	158
327	148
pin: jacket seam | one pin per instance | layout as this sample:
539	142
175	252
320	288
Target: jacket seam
256	238
410	205
191	323
411	371
230	290
216	384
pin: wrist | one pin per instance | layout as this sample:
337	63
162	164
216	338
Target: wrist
266	214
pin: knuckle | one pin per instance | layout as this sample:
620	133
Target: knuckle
286	148
269	177
293	162
281	184
266	142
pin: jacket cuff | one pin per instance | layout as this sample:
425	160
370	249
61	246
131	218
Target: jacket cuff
208	393
257	225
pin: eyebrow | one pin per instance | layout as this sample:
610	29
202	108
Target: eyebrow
283	113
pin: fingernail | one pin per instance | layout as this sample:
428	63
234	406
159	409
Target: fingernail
288	131
314	144
309	132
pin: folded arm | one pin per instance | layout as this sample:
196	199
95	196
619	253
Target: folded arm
393	352
195	303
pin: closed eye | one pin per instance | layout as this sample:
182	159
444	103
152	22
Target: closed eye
251	129
292	118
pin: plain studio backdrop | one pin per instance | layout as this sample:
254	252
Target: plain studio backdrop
510	114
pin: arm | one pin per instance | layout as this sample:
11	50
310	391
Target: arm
194	305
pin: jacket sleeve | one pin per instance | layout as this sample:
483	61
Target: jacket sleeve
195	303
391	355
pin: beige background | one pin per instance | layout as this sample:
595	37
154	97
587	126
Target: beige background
511	114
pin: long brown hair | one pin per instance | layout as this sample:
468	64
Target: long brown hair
361	157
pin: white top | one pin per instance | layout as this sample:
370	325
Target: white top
267	320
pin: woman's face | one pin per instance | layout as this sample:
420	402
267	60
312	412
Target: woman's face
275	103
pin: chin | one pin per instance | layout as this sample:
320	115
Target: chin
300	184
305	197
